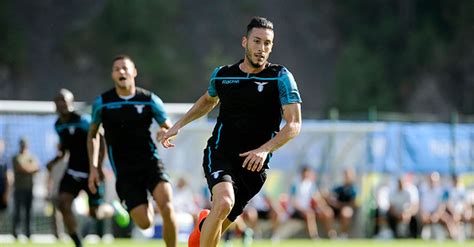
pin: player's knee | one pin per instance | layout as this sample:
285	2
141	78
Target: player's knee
142	222
166	209
224	205
64	206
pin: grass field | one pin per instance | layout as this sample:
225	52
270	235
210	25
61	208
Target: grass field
286	243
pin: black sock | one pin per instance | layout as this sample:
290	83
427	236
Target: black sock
76	239
200	224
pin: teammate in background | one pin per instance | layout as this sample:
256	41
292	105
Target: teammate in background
254	95
25	165
72	129
126	113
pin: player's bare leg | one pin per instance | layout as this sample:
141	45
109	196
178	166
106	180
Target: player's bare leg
65	206
163	197
142	215
216	222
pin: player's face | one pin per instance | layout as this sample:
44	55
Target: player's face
258	46
63	106
124	73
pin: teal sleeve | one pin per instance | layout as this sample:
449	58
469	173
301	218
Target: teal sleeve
212	84
158	109
97	111
287	88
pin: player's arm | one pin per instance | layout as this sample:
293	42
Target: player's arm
59	156
93	148
201	107
93	145
255	159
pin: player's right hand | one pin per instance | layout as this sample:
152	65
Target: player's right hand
94	180
166	137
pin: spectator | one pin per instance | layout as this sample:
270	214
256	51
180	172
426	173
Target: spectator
457	208
301	194
432	208
25	165
307	204
184	200
382	205
402	210
262	207
342	201
4	181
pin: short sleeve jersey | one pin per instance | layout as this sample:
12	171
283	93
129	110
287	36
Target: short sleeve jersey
127	125
73	137
345	193
251	104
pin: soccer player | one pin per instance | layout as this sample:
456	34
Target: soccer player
254	95
72	129
126	113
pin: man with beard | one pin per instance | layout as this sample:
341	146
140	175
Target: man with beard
254	95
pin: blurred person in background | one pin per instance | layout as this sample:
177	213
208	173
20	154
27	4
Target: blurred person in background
4	178
342	201
382	205
25	165
403	209
457	207
72	129
432	206
261	207
126	113
184	199
307	203
254	96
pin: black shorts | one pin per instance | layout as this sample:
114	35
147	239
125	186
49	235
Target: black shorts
73	185
263	214
220	166
132	186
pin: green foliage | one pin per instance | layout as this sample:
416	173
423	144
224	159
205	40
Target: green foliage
142	29
12	45
386	46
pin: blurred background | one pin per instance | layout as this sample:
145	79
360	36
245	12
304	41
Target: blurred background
387	86
407	56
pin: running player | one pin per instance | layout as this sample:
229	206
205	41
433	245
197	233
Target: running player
72	129
254	95
126	113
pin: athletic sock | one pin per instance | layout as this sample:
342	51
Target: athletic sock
76	239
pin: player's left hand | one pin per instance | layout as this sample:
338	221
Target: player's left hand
94	179
254	159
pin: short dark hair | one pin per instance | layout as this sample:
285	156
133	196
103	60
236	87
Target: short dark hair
259	22
121	57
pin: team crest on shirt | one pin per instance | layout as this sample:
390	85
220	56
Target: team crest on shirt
71	130
216	174
139	108
260	85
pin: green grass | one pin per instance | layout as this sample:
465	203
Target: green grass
286	243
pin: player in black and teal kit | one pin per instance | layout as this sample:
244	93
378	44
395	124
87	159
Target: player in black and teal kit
254	97
126	113
73	129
